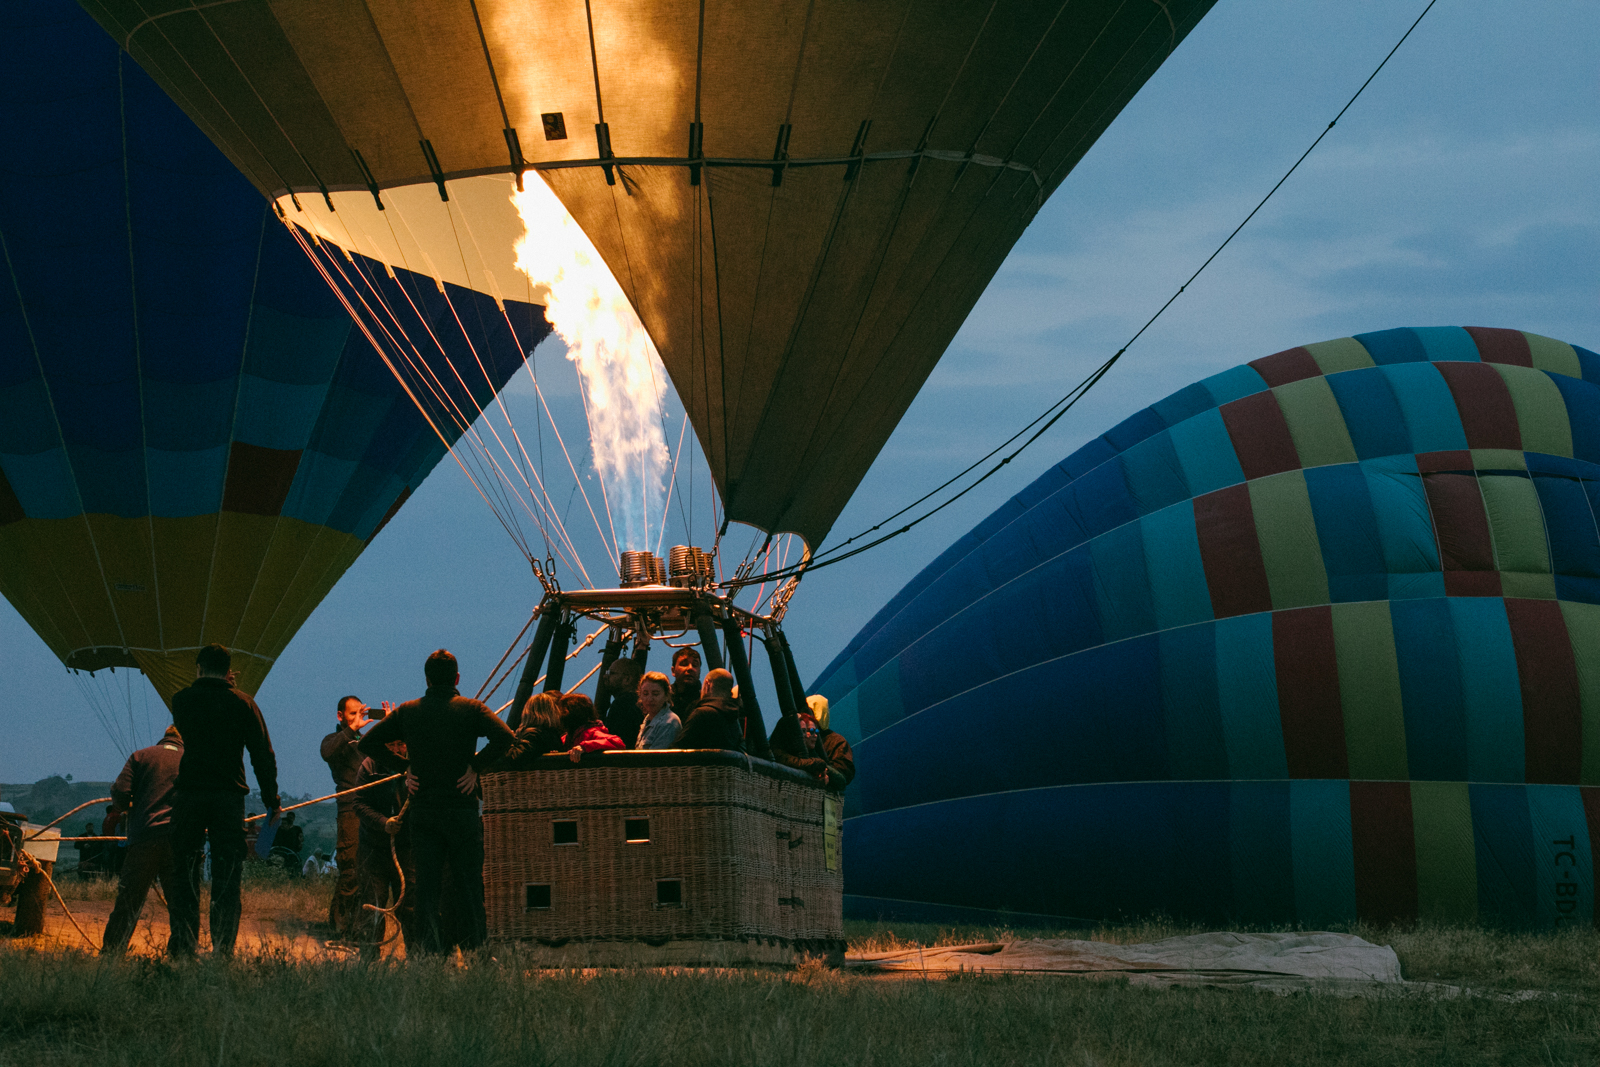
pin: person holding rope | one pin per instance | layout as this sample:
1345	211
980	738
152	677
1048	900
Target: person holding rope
145	790
441	731
219	723
384	857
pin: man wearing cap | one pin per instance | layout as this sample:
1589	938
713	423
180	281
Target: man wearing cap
145	790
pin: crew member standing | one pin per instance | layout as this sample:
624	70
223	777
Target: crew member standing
144	790
339	753
219	724
441	731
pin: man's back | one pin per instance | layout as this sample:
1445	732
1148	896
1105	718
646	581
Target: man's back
714	723
219	724
441	730
146	787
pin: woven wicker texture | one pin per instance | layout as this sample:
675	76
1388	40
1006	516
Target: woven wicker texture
743	840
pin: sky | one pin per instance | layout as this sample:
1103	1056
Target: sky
1463	188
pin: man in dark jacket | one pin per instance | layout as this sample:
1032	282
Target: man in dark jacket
441	730
339	753
115	852
145	790
379	810
219	724
686	687
805	743
717	720
616	698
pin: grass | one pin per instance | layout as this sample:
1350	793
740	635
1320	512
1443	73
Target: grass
266	889
63	1007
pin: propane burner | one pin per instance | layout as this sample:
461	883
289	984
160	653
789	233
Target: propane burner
689	566
641	568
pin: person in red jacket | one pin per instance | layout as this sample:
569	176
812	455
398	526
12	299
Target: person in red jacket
585	731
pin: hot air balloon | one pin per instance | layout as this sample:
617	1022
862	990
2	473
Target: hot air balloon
801	200
195	439
1312	640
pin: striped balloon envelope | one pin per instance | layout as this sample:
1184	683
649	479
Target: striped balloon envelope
195	439
1312	640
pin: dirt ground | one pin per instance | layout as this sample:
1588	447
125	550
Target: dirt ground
274	932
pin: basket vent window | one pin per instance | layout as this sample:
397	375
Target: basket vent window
669	893
636	830
566	831
536	897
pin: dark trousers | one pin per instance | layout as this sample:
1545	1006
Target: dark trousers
380	880
197	815
453	838
344	910
146	862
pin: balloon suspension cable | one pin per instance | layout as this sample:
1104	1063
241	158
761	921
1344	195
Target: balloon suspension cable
592	672
509	672
540	680
546	575
328	269
509	648
470	449
1051	415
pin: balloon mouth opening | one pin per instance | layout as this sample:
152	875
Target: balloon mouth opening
99	658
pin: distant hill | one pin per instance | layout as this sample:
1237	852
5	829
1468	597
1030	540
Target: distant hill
47	798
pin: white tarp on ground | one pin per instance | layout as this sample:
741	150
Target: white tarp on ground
1277	962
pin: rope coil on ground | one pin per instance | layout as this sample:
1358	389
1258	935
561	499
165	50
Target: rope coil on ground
394	854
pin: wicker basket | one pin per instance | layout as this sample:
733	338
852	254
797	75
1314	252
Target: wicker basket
663	857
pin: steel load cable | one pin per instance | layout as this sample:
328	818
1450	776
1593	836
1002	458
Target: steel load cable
1051	415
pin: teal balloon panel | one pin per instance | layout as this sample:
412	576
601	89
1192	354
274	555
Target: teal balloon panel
1314	639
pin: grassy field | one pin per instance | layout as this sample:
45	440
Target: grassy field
65	1007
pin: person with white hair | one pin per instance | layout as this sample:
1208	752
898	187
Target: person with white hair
804	742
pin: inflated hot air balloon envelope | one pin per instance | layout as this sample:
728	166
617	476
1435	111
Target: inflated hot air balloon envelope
1312	640
195	441
802	199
